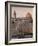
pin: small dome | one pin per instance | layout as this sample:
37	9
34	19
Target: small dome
29	15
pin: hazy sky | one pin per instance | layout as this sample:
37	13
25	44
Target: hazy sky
21	11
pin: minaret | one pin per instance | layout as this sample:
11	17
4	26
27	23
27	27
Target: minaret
15	14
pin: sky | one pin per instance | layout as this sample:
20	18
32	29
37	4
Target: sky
21	11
